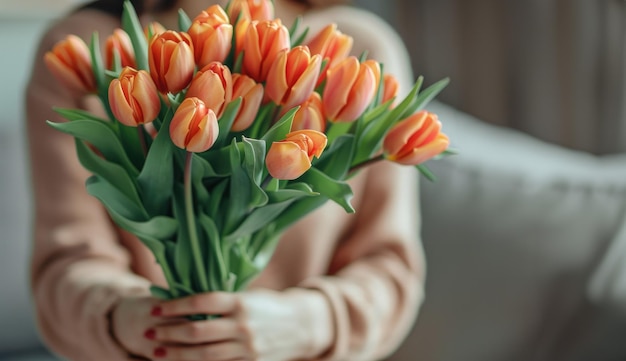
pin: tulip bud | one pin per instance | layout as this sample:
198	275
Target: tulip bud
258	10
251	94
350	88
119	41
194	126
213	85
332	45
390	87
415	139
289	158
261	44
211	34
241	28
292	77
171	61
310	115
133	97
69	61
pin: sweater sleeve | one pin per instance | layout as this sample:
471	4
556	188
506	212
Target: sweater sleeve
375	286
78	269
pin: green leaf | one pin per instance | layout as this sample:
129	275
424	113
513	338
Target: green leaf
213	208
339	192
111	172
183	252
97	67
263	245
242	266
217	268
184	22
335	130
124	212
297	39
114	200
261	122
446	153
425	97
259	218
427	173
79	114
297	211
280	130
336	160
239	192
151	233
373	132
244	194
100	136
129	136
160	293
131	24
254	158
292	191
226	122
156	179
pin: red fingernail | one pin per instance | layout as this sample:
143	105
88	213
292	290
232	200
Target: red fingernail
160	352
156	311
150	334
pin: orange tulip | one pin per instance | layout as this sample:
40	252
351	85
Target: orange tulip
119	41
251	94
310	115
292	77
290	158
194	126
133	97
211	34
415	139
390	87
69	61
332	45
171	61
259	10
213	85
240	34
350	88
261	44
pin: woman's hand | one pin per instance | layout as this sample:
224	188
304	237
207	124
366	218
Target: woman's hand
129	321
255	325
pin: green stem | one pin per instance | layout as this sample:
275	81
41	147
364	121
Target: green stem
142	139
191	225
364	164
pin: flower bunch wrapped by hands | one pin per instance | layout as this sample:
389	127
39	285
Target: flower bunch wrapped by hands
223	133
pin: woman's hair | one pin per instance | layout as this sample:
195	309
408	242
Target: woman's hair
115	7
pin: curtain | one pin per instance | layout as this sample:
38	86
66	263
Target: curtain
554	69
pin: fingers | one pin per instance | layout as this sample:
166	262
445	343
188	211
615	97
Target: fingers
222	351
214	303
198	332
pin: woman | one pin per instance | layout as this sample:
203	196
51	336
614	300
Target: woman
339	287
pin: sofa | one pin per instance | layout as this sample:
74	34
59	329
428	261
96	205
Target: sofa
525	241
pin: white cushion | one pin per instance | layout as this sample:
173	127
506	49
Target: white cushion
516	233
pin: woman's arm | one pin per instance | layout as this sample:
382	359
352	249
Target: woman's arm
78	270
376	285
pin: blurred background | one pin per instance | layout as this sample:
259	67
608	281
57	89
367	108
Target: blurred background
524	231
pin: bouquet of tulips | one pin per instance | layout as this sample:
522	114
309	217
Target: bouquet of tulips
218	136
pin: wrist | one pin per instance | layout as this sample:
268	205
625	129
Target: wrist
314	316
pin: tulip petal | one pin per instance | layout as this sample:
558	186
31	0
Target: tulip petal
339	81
428	151
285	160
